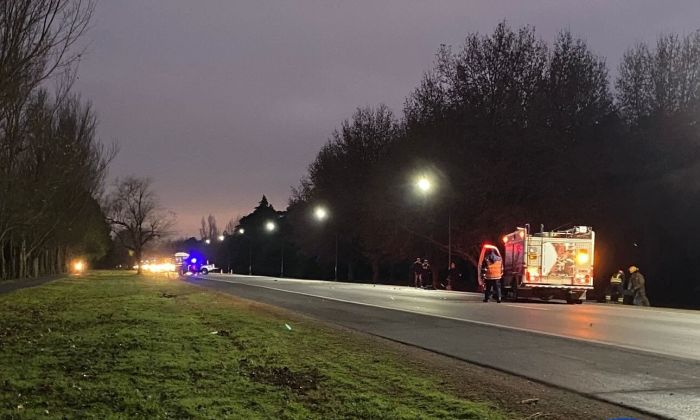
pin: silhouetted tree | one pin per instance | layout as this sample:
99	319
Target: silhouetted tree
136	216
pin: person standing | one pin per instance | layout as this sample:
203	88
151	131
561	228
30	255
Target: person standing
616	287
638	287
452	276
426	274
492	272
417	269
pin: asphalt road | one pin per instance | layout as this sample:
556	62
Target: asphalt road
644	358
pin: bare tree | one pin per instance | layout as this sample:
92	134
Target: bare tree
38	39
52	164
203	229
136	216
209	229
213	228
230	228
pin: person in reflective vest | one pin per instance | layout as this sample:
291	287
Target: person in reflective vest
492	271
616	287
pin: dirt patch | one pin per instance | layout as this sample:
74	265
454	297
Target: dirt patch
300	382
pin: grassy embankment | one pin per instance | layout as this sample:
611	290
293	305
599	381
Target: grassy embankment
112	344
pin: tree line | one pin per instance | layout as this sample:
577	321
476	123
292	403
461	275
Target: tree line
52	166
514	130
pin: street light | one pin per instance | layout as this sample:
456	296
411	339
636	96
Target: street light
207	241
425	186
321	215
271	226
222	238
241	231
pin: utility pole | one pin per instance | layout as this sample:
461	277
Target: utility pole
336	256
449	238
250	257
282	263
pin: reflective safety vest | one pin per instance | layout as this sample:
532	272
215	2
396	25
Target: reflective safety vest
616	279
494	270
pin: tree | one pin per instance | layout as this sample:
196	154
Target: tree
662	81
52	165
208	229
135	215
340	178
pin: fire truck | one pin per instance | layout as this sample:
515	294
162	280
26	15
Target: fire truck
547	265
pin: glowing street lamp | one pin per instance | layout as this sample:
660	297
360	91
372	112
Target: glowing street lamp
321	213
424	185
271	226
241	231
207	241
221	238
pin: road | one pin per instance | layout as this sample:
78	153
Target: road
644	358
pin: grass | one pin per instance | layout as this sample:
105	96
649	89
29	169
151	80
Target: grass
110	345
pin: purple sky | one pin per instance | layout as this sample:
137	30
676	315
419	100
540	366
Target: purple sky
222	101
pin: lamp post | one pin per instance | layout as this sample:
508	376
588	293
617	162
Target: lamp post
241	231
321	214
424	185
222	238
270	227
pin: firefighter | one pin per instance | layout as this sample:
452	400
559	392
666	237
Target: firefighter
417	269
637	286
492	271
616	287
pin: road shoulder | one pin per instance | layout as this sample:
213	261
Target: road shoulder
521	397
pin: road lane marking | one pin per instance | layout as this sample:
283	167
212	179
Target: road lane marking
484	323
526	307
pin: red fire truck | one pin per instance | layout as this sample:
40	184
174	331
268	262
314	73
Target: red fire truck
547	265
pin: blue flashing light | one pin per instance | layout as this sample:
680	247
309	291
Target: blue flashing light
193	260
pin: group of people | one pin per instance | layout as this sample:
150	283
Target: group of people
631	291
423	274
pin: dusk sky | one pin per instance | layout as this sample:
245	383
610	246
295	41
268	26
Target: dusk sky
223	101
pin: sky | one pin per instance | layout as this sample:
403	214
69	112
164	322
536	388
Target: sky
222	101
